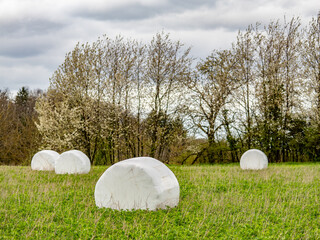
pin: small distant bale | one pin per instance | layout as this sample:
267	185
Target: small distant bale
44	160
254	159
72	162
137	183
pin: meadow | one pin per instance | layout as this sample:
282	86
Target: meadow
216	202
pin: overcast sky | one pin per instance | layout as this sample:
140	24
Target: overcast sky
35	35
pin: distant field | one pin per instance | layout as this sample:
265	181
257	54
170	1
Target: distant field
219	201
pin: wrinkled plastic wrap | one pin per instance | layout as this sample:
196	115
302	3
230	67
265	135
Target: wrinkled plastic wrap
137	183
72	162
254	159
44	160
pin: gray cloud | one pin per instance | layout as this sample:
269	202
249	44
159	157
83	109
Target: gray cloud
131	12
31	75
141	11
188	14
28	27
26	47
20	51
26	37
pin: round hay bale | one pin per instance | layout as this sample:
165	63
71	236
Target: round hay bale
72	162
254	159
44	160
137	183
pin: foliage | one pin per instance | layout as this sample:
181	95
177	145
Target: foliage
19	137
114	98
216	202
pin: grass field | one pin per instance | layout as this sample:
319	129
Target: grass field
220	201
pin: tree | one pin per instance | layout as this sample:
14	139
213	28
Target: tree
167	66
19	138
277	86
8	130
97	98
291	80
67	116
211	90
245	53
311	63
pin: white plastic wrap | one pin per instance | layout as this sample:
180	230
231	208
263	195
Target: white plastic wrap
137	183
44	160
254	159
72	162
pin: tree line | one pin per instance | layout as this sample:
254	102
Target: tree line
120	98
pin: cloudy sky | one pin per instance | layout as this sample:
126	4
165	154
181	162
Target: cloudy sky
35	35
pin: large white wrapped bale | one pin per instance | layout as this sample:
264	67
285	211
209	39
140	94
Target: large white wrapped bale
44	160
137	183
254	159
72	162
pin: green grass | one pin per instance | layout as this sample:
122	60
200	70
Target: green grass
220	201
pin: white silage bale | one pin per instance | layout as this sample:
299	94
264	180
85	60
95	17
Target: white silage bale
72	162
44	160
254	159
137	183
